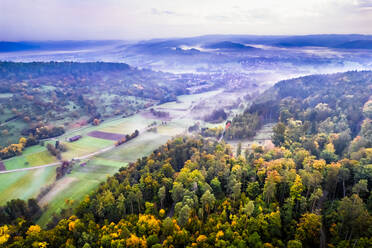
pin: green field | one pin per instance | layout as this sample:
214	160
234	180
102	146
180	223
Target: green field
40	158
77	185
127	125
32	156
16	163
84	146
136	148
33	149
106	162
24	184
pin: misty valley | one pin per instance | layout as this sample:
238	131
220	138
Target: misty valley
206	141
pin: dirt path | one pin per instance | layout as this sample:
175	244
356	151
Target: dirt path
31	168
59	186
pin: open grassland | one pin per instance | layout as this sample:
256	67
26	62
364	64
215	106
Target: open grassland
72	188
127	125
34	149
106	162
136	148
24	184
40	158
16	163
171	129
32	156
76	191
84	146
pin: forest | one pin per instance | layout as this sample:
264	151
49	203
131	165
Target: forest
312	190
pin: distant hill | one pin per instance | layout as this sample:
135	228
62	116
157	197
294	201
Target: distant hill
16	46
236	42
6	46
228	45
225	42
331	41
356	44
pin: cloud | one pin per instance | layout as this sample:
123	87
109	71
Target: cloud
155	11
143	19
364	3
219	18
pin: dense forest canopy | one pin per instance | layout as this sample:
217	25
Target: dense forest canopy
313	189
335	103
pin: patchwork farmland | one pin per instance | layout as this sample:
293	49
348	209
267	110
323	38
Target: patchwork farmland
83	179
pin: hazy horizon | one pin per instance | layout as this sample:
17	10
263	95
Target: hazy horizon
180	37
38	20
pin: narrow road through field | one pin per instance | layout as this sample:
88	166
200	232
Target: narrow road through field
31	168
106	149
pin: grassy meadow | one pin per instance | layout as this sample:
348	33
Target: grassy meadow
25	184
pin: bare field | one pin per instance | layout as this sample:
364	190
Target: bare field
106	135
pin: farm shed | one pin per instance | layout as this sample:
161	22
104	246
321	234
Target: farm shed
74	138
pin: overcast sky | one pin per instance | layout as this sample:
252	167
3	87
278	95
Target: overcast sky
144	19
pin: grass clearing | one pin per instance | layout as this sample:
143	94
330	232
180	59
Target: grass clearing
136	148
16	162
59	186
128	125
88	141
170	129
40	158
24	184
81	182
76	191
107	162
85	146
32	156
33	149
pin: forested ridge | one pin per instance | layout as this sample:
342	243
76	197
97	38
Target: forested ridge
330	103
312	190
